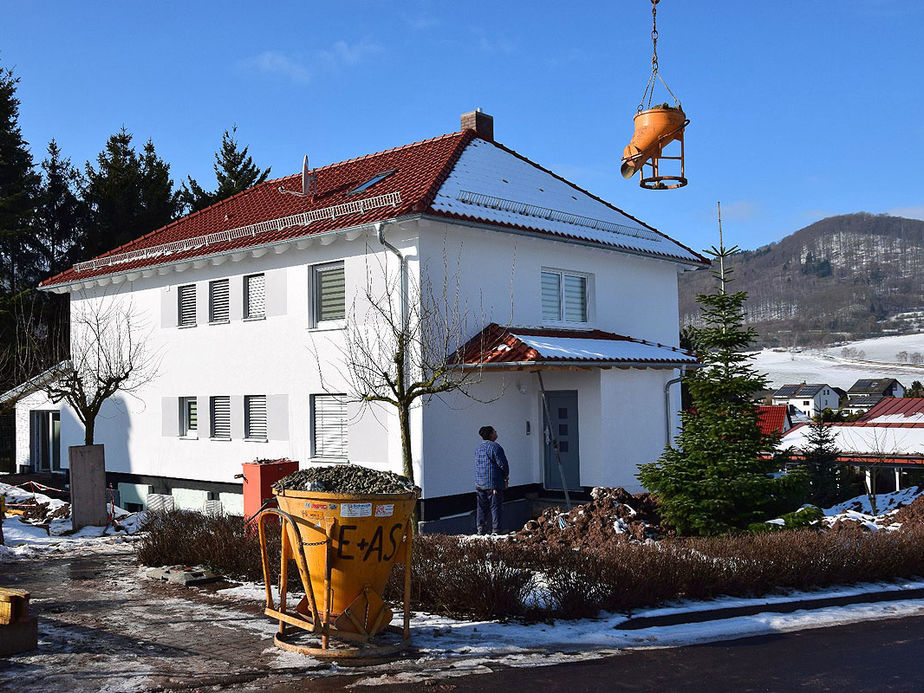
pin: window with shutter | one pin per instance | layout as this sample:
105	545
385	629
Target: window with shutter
255	296
564	297
329	293
551	296
329	426
221	417
575	298
186	313
219	303
255	417
189	417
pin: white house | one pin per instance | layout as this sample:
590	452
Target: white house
247	302
810	400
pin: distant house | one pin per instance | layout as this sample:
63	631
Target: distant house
37	426
807	399
774	419
866	393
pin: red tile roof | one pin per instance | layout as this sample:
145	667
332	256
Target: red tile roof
772	418
420	170
502	345
891	406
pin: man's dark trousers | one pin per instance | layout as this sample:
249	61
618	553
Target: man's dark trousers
489	501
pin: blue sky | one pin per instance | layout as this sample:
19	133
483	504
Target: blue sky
799	109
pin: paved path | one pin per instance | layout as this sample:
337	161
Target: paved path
101	628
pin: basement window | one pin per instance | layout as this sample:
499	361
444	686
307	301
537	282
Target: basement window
372	181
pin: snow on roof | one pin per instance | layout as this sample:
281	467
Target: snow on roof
493	184
896	410
518	345
498	186
599	349
864	440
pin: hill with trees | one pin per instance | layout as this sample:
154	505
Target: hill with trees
841	278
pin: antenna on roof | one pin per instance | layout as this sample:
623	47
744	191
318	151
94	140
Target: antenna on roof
309	183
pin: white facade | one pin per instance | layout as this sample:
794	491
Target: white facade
812	406
283	357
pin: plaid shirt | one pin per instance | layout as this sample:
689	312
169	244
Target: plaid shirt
491	468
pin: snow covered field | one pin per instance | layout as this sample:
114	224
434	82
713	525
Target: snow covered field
828	365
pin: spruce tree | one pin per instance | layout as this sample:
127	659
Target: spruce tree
18	189
234	171
824	474
128	195
719	478
61	214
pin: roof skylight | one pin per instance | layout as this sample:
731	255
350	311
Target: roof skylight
372	181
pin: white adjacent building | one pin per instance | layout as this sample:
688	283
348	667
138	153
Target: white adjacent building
808	399
247	303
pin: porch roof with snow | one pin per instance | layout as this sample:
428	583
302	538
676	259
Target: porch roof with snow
867	443
460	177
498	347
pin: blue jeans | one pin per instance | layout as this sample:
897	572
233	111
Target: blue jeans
489	500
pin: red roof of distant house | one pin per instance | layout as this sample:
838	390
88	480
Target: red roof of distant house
896	407
521	345
417	173
772	418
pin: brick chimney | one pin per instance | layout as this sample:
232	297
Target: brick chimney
480	122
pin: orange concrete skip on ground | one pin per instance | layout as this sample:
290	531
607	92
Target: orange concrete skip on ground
367	536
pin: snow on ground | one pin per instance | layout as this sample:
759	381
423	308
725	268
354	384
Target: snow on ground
828	365
25	539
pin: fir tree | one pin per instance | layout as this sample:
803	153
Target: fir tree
719	478
128	195
18	189
824	474
234	171
61	214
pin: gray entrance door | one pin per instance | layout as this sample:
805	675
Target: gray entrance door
563	418
45	440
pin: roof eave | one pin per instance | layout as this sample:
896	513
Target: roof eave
574	363
548	235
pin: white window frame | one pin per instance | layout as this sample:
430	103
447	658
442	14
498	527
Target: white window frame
319	455
248	433
247	314
185	431
314	296
212	401
179	306
588	295
212	285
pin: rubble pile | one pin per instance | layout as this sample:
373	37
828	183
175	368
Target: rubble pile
346	479
911	514
613	514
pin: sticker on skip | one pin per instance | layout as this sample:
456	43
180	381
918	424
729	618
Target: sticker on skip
356	510
385	510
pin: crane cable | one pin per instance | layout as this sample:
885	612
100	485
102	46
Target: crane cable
649	88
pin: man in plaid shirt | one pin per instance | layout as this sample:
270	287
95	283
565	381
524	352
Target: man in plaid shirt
491	475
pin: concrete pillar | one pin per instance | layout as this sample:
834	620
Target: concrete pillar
88	486
898	478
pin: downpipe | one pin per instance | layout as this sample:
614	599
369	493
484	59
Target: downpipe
668	438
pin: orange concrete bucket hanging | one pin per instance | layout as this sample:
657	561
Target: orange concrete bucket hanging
344	547
655	128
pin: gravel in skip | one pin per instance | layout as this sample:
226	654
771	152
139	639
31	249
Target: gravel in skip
346	478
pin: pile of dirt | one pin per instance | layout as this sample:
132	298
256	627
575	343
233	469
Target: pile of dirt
613	514
346	478
911	514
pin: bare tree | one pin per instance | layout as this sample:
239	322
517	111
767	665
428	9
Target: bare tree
109	353
403	343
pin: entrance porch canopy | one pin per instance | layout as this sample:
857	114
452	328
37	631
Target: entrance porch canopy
529	348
